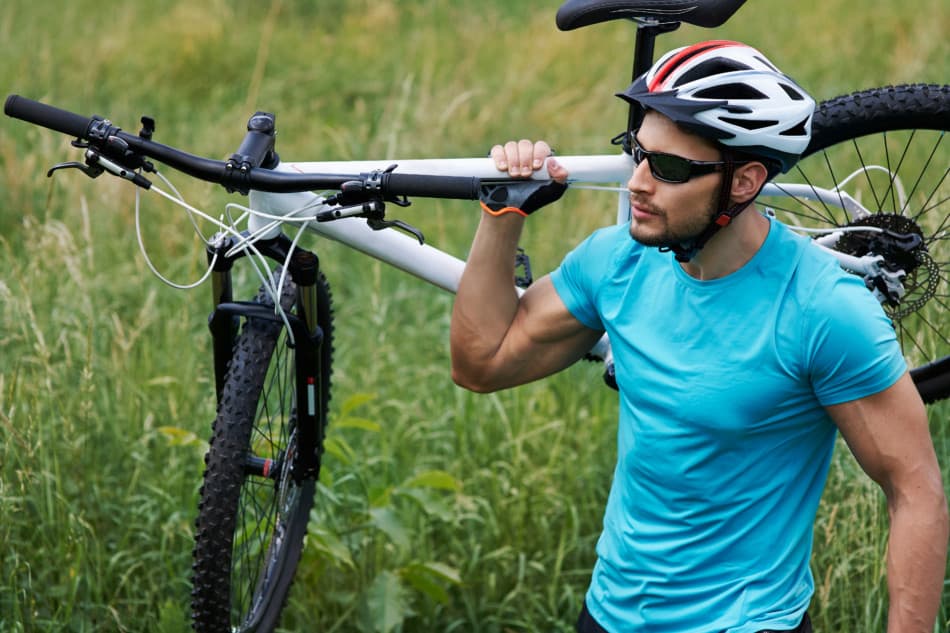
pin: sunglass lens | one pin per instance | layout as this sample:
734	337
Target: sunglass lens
664	167
670	168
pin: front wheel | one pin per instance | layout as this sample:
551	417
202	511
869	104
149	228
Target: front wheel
253	511
886	149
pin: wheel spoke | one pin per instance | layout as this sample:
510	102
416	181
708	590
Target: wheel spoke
814	214
920	176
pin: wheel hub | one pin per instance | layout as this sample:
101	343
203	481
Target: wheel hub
903	248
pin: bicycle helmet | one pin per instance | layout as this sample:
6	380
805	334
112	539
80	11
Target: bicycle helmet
733	95
729	92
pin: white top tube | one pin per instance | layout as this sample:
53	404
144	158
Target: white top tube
398	249
594	169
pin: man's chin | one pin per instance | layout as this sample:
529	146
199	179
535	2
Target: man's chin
646	239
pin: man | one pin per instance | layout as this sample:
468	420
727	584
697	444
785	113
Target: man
740	351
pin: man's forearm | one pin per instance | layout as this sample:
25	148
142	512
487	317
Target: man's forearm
916	562
486	301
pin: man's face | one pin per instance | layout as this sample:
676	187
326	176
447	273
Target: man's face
666	214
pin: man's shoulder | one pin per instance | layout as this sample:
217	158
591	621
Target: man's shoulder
814	268
809	287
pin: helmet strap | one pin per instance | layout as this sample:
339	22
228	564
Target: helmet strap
686	251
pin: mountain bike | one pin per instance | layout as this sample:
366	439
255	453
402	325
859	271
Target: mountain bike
871	189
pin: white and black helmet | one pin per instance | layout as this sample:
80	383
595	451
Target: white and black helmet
731	93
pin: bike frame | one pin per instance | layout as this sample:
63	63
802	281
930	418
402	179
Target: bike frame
444	270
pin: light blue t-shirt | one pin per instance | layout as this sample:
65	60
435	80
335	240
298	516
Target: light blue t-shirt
723	442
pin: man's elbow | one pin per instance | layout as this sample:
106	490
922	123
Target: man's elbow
472	380
941	520
943	515
938	498
929	502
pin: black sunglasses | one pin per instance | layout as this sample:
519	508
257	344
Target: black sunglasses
669	167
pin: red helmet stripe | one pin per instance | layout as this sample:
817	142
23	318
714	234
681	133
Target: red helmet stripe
688	52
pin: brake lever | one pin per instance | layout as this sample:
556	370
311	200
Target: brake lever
379	224
91	170
96	164
375	213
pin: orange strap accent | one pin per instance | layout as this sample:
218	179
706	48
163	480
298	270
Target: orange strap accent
503	211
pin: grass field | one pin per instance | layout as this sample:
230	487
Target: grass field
443	510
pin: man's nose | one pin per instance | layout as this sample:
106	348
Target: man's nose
641	178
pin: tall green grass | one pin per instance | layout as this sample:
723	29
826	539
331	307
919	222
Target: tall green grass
441	509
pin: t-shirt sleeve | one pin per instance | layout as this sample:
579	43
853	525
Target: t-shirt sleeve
575	280
851	344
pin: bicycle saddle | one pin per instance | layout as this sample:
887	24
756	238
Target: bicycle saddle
706	13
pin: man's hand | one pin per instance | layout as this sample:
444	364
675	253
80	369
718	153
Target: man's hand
522	158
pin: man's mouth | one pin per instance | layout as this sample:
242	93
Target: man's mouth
642	210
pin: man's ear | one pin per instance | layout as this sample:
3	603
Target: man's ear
747	180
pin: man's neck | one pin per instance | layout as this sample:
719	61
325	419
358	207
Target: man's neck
731	248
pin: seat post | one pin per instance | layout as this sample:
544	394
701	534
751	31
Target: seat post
647	30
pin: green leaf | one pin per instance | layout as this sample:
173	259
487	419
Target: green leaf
357	423
432	579
159	381
438	479
338	448
429	502
354	401
424	582
179	437
387	521
443	571
380	497
330	546
386	602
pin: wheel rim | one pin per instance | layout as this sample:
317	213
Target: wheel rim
268	500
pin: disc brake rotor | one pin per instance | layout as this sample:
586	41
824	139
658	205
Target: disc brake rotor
922	272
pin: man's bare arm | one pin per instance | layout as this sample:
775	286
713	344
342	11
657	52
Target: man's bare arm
499	339
889	436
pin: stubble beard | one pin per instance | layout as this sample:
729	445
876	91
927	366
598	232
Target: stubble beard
692	227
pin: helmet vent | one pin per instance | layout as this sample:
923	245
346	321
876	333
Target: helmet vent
800	129
767	63
791	92
747	123
730	91
709	68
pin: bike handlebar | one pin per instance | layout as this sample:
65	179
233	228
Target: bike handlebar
47	116
129	151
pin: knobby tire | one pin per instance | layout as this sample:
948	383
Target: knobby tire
250	528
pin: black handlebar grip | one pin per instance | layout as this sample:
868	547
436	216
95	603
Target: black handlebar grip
46	116
452	187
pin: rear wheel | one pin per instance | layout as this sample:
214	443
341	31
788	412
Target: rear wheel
253	513
886	148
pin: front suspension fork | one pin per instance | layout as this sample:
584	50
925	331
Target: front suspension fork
307	335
